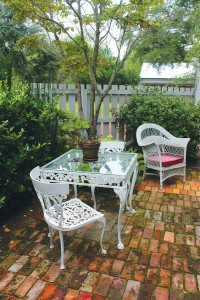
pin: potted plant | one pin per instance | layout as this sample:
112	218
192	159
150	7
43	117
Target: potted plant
90	148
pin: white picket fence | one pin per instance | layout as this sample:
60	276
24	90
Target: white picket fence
116	98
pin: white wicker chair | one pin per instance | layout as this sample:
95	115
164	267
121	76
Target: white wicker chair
60	214
162	151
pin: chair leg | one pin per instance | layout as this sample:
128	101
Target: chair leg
50	235
93	196
184	174
144	172
103	220
161	181
75	190
62	266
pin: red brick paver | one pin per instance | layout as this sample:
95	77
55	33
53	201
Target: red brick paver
160	260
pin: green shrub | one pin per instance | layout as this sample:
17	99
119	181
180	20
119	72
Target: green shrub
176	114
32	132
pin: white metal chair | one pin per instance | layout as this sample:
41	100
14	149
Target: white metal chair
111	146
61	214
162	151
107	146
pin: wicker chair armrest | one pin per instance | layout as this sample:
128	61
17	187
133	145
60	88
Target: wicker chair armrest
176	142
181	142
152	150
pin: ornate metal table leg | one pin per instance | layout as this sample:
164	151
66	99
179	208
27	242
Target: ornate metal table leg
93	196
122	193
135	173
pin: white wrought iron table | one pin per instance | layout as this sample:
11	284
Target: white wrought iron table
112	170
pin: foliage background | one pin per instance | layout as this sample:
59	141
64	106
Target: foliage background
32	132
176	114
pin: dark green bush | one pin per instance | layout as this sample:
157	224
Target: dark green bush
176	114
32	132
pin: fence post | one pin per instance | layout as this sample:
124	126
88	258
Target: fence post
197	84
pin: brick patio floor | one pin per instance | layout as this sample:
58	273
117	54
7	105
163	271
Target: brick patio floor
161	259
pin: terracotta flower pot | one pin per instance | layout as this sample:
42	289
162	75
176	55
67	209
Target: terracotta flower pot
90	150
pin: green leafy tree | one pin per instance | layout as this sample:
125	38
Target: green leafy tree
73	68
42	58
96	21
12	60
194	37
177	38
25	51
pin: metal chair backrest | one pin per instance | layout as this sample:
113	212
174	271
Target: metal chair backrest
50	194
112	146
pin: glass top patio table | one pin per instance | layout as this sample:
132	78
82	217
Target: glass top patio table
111	170
108	163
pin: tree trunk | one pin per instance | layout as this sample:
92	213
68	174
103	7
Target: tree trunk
79	98
92	131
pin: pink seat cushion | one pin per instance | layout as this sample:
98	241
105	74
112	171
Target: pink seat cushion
167	160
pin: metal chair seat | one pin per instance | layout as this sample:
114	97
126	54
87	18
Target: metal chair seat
75	214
